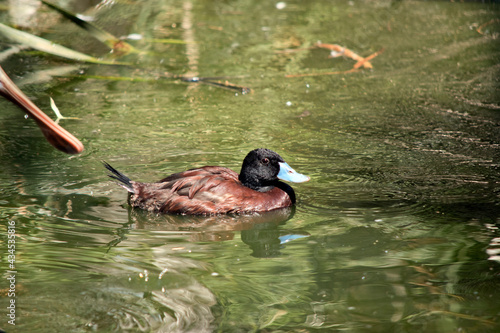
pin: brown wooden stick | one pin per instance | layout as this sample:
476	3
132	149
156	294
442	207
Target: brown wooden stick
55	134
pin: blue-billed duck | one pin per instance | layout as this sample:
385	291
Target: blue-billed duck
214	190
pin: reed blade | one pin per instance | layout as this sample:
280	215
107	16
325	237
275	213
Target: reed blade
47	46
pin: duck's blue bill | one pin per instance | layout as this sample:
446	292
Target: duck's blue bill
288	174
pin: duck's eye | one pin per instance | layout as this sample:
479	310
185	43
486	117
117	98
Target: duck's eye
265	160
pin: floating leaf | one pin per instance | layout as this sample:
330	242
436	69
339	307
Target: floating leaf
47	46
57	112
118	46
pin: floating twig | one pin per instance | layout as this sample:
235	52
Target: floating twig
370	57
213	81
339	51
228	85
481	27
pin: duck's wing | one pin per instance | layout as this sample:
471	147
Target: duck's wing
191	182
195	191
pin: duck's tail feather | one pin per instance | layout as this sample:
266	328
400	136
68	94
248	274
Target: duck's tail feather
124	181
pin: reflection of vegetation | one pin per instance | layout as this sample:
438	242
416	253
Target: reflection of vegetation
44	45
119	48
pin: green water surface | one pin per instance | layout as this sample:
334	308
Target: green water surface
397	231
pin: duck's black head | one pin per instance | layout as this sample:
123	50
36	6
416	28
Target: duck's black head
262	168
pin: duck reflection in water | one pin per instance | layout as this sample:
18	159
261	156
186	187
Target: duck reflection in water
260	231
213	190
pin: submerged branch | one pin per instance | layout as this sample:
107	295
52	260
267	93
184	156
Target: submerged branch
213	81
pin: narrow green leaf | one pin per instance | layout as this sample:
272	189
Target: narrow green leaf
47	46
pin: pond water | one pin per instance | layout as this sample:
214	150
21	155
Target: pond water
397	231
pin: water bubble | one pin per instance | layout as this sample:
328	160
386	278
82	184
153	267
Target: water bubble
134	37
281	5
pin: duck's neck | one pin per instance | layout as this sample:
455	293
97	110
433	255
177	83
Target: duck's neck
282	186
288	190
257	185
254	183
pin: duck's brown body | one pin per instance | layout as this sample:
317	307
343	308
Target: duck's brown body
214	190
205	191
